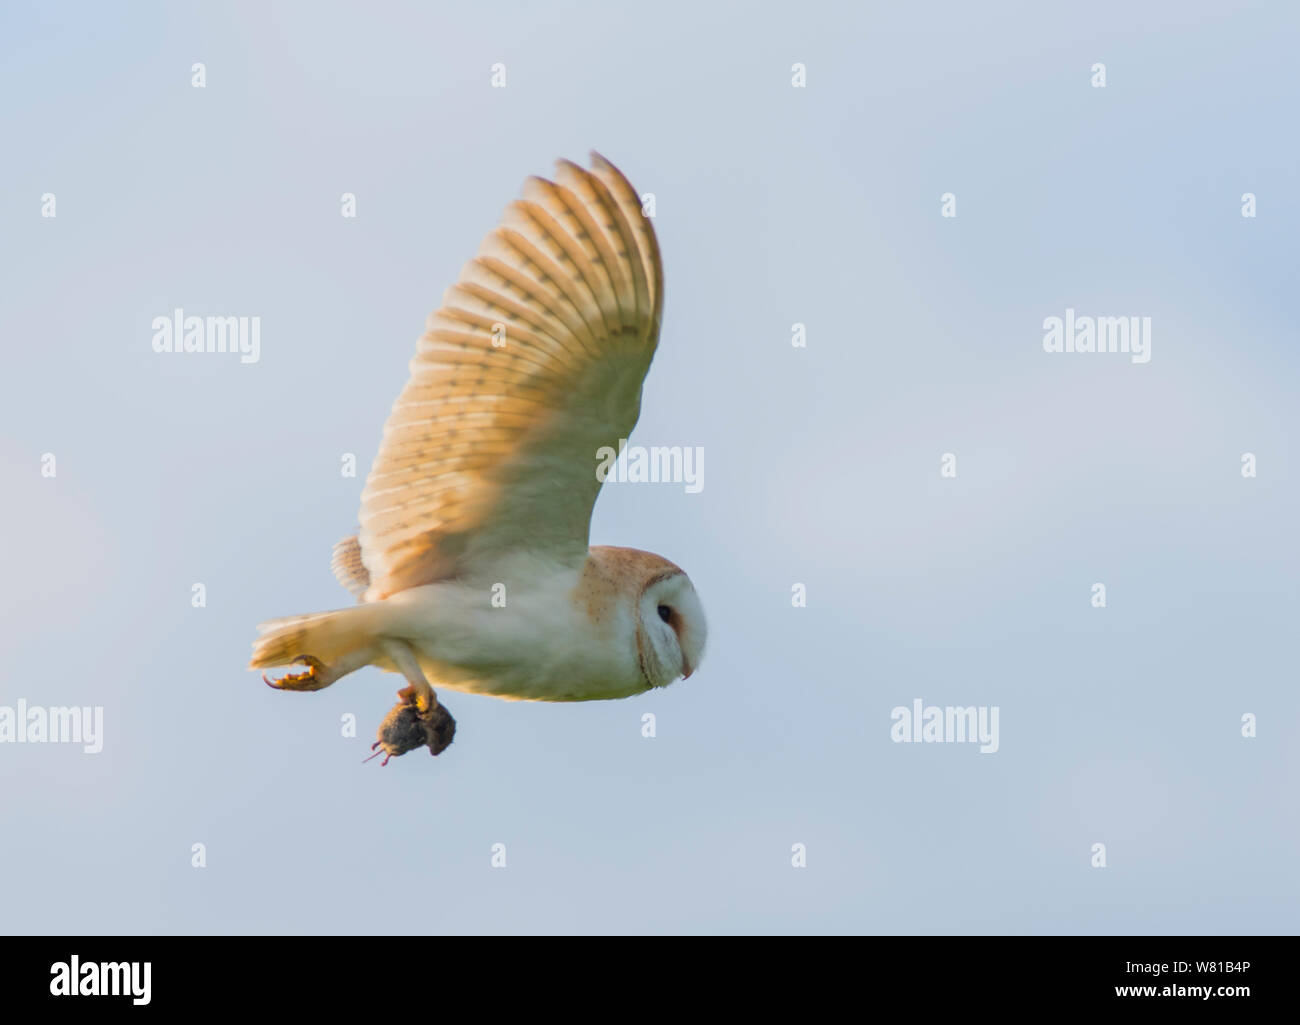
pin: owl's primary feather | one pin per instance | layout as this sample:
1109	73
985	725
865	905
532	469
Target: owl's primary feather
487	473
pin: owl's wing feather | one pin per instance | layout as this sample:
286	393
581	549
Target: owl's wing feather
492	447
348	568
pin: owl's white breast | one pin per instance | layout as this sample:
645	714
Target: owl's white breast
539	642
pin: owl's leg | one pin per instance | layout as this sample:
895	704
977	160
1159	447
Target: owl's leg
418	687
417	719
318	675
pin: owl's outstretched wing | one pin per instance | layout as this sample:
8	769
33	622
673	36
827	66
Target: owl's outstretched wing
534	362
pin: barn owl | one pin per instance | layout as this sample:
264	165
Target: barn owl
471	566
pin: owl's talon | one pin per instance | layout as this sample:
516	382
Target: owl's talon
314	678
421	697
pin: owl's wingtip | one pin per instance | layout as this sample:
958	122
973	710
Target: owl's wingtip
597	160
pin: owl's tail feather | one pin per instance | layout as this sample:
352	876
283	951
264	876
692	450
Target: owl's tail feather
325	636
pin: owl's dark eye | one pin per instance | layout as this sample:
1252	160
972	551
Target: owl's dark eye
665	613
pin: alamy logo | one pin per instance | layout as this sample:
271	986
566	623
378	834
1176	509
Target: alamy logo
952	724
1099	334
657	465
56	725
71	978
179	333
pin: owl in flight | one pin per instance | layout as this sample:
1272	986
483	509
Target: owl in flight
472	567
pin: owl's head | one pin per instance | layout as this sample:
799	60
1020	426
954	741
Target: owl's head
670	627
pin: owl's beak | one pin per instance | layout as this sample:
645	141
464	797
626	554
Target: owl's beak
687	668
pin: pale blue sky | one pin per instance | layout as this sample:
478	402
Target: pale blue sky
774	205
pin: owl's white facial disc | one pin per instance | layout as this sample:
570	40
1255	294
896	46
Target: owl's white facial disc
670	629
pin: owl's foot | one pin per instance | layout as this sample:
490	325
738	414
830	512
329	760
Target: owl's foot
405	728
316	677
423	700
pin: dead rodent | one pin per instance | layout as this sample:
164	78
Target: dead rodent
404	729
